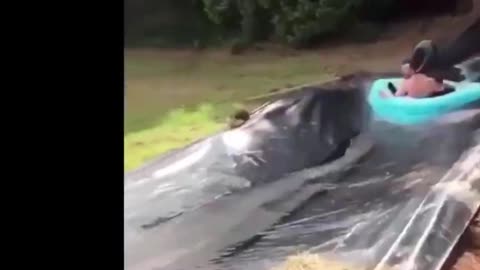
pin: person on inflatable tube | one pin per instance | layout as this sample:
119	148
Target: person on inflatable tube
417	83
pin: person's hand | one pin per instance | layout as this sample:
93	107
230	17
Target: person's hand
407	71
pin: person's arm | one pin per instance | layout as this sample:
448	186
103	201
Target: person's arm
438	86
402	91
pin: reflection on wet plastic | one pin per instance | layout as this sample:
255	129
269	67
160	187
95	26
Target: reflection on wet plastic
408	221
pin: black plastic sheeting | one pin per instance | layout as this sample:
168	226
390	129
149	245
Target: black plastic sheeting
310	171
289	135
462	48
400	213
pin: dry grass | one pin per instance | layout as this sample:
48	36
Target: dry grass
175	97
159	81
308	261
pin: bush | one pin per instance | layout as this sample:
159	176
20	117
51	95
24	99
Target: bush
295	22
167	23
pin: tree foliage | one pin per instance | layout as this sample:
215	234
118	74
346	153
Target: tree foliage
295	22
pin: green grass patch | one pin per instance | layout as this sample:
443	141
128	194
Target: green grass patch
176	97
179	127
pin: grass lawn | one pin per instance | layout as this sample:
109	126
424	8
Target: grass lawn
176	97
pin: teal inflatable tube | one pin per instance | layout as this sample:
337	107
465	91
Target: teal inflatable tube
409	111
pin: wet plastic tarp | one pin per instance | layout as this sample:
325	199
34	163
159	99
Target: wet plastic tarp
377	221
232	201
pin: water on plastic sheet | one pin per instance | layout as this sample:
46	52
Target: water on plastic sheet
388	212
395	208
